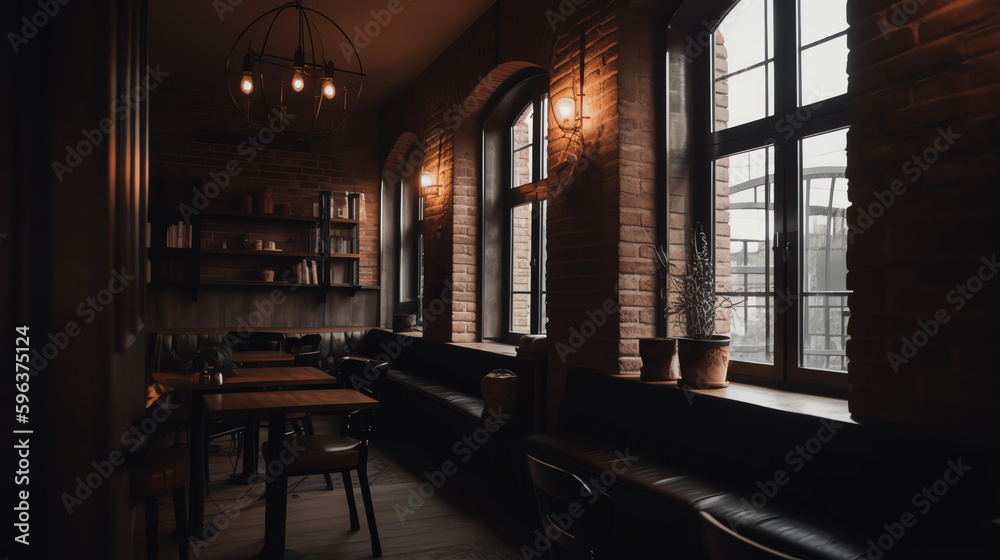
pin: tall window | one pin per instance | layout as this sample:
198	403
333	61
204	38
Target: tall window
411	255
775	142
515	149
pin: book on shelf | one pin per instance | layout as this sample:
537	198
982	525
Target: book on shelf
179	236
313	275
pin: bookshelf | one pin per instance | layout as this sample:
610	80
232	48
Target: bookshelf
220	248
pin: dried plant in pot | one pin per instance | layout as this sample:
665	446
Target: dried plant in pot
659	354
702	354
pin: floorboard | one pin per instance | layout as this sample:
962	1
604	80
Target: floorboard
445	527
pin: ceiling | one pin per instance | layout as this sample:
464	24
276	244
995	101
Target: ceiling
192	39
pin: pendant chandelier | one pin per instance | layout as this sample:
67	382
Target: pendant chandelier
295	70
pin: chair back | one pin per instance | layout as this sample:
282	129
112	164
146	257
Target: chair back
722	543
360	423
581	519
307	343
311	359
255	341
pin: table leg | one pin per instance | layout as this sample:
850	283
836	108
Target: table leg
199	429
251	444
277	486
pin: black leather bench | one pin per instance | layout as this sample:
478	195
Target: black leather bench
442	381
799	484
166	347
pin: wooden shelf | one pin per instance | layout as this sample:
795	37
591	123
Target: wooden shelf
170	252
325	231
261	253
244	217
256	284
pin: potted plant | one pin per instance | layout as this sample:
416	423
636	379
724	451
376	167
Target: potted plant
703	355
659	354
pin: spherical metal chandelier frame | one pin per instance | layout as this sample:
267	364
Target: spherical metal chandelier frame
307	73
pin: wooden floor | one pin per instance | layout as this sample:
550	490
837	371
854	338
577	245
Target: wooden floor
452	524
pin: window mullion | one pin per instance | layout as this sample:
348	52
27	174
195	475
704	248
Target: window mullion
786	56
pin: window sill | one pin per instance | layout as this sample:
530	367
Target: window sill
777	399
486	346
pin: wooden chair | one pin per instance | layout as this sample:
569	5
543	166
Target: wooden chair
325	454
722	543
256	341
155	473
582	519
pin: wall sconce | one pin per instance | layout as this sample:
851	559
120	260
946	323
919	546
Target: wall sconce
565	110
428	186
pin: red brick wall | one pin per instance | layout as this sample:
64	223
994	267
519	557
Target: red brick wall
344	161
602	228
924	212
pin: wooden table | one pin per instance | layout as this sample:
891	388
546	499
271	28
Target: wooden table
275	405
248	379
263	357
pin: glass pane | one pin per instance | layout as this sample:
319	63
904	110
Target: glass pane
742	33
520	270
522	132
744	47
824	70
745	266
522	127
821	19
522	167
748	99
824	251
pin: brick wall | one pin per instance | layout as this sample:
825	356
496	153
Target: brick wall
602	228
344	161
922	160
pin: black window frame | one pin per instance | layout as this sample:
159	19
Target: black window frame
530	86
784	129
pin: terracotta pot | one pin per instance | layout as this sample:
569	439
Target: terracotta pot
704	364
659	359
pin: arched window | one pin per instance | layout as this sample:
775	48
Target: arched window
772	136
515	142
